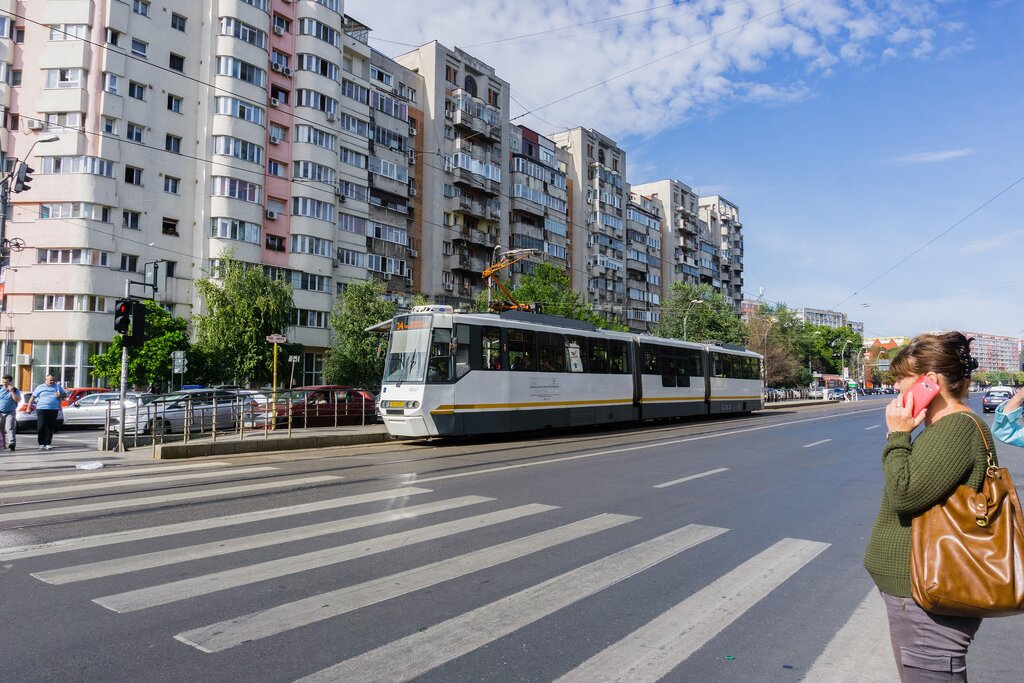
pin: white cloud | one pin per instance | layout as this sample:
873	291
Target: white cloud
931	157
1007	240
660	65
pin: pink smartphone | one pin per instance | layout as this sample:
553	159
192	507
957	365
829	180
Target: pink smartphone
923	390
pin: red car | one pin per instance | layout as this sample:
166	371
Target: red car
79	392
322	406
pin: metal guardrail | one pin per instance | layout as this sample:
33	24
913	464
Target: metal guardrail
157	422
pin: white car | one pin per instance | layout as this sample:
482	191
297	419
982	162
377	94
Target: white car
26	419
200	409
91	410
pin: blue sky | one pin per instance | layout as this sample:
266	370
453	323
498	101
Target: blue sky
849	132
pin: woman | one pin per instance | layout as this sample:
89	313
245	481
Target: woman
1007	426
919	473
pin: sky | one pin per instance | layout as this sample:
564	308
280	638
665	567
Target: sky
875	148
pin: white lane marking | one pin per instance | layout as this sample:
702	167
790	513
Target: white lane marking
411	477
162	558
860	651
816	443
227	634
106	473
652	651
873	427
67	544
154	500
95	485
414	655
174	591
691	477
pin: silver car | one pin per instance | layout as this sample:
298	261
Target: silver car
198	409
91	410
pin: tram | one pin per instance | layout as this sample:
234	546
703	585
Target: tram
457	374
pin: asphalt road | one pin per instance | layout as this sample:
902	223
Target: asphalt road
706	551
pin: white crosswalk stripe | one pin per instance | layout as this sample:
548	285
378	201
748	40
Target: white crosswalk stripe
159	480
858	650
116	472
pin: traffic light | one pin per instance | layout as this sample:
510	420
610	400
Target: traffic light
122	316
138	335
23	177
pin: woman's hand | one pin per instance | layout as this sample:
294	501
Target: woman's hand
899	417
1015	402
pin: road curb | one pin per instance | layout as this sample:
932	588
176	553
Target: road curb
179	451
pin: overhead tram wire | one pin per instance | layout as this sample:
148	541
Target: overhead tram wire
932	240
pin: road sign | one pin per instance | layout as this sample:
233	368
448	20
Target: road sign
277	338
293	359
179	366
177	355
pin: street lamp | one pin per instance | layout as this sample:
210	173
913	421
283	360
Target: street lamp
769	320
5	192
689	307
842	359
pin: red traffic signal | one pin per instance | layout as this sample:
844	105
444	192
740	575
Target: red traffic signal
122	316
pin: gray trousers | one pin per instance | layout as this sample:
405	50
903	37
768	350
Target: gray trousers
928	647
9	427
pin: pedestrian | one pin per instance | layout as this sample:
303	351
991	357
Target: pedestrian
9	398
1007	426
918	473
47	397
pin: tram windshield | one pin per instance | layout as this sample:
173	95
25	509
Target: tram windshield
410	344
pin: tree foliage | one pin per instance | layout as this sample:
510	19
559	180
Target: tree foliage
356	357
712	319
776	332
151	363
241	307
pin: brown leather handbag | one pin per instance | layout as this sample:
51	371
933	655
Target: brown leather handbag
967	554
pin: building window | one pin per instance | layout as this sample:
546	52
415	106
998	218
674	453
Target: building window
131	220
281	25
141	7
133	175
64	78
277	168
110	83
129	263
174	104
171	184
178	22
15	78
134	132
113	36
139	48
275	243
176	62
109	125
173	144
136	90
170	226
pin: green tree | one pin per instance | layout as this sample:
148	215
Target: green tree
711	319
776	333
241	307
151	363
356	356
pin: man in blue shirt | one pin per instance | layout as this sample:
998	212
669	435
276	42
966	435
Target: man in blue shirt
47	397
9	398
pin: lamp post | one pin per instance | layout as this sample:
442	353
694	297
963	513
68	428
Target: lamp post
5	193
769	321
689	307
842	359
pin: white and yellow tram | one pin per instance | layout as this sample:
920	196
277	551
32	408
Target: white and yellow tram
454	374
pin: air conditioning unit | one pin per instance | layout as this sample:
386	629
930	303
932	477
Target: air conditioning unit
412	191
412	161
448	113
286	71
24	359
387	276
276	66
449	287
413	253
342	199
271	214
408	280
279	30
36	124
331	117
413	131
394	91
274	102
274	140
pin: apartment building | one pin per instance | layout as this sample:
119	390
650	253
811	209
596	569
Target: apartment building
720	247
643	242
995	353
833	319
598	195
267	129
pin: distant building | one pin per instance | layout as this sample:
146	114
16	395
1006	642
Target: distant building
833	319
995	353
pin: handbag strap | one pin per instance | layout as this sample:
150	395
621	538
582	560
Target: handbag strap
990	452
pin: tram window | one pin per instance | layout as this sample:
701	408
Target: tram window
460	350
668	370
682	370
552	358
490	348
652	364
522	350
693	365
617	357
598	356
576	353
439	366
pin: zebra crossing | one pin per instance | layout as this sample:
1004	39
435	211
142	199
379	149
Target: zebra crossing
173	576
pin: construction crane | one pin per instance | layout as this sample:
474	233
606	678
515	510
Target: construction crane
501	262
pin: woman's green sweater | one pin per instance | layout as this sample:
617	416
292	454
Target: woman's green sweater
918	475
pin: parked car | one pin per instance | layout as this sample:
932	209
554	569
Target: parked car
78	392
200	409
836	394
26	419
319	406
91	410
815	392
995	397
